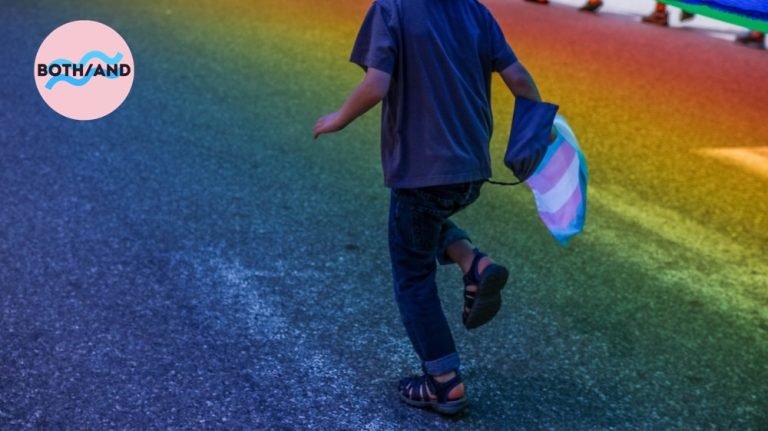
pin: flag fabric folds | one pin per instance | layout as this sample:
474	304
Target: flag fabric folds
559	184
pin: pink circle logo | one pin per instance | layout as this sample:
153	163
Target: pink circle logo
84	70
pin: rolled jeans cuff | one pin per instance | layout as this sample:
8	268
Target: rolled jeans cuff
453	234
442	365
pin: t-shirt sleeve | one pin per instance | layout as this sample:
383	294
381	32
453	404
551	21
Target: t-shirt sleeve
375	45
502	55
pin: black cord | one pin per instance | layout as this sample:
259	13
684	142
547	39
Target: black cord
501	183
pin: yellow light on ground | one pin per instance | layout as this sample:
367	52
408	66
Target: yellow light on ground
753	159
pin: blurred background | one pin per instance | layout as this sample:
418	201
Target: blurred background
195	260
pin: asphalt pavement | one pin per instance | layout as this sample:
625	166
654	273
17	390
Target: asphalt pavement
195	261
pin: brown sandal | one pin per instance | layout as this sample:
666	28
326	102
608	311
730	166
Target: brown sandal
416	391
485	302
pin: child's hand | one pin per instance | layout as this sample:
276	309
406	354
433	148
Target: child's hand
370	92
328	124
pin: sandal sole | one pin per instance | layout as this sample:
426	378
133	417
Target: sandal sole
448	408
488	297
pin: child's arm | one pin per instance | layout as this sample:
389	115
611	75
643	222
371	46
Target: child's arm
520	82
370	92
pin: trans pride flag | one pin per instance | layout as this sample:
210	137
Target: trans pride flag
556	172
559	185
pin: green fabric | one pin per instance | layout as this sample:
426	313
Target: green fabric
732	18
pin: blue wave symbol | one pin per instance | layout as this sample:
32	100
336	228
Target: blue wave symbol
83	61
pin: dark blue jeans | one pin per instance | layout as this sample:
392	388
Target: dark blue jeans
419	234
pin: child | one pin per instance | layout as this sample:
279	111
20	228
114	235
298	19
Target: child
431	61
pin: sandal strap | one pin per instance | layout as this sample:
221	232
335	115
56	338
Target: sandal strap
418	388
469	301
475	263
441	390
473	275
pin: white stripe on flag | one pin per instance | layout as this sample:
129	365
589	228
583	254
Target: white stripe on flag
557	196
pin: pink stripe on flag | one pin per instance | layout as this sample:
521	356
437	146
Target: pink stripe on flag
561	219
550	175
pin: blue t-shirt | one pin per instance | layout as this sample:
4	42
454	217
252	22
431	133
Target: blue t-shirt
436	120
